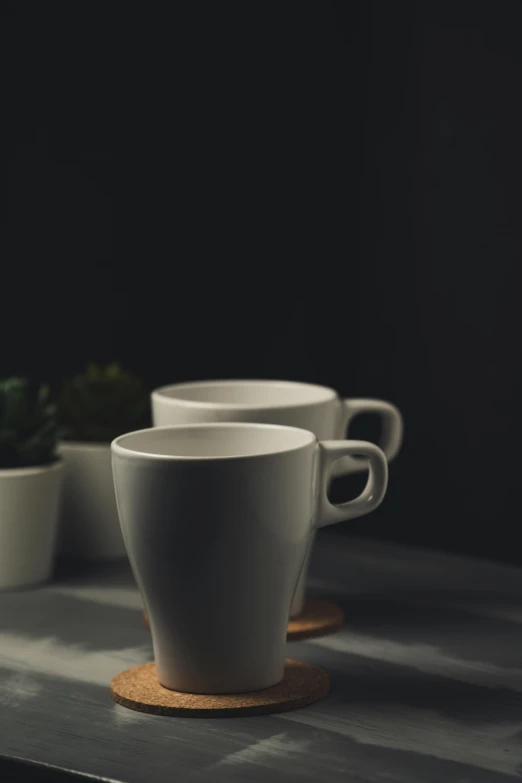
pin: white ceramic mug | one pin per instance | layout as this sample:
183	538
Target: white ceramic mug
315	408
216	520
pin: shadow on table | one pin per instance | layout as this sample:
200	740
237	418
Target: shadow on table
427	606
16	770
396	688
476	631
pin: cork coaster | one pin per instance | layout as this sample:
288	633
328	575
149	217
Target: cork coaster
138	689
318	618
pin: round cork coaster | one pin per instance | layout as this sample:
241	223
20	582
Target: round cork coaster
138	689
317	619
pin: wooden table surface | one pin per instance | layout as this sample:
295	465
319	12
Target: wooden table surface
426	681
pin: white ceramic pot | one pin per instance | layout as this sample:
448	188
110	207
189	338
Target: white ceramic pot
89	526
29	507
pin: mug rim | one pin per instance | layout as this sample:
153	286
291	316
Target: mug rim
162	393
129	453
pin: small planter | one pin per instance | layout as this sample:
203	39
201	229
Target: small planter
89	525
29	506
95	407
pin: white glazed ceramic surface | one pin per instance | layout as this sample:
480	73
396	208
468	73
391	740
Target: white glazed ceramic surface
29	504
217	520
89	525
311	407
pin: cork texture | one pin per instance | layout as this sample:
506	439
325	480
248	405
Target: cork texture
138	689
317	619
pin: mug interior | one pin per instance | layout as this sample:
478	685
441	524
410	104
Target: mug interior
254	394
212	441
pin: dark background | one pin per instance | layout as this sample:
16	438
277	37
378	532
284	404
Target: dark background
319	191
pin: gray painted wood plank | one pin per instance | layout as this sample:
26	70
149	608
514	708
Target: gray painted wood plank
426	680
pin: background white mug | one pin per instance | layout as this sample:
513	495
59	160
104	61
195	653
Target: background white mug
315	408
216	520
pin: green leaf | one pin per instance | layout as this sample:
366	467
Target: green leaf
102	403
28	425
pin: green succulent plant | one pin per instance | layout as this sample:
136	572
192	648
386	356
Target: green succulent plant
28	425
98	405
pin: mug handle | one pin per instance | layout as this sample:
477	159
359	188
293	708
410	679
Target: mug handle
374	491
392	424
